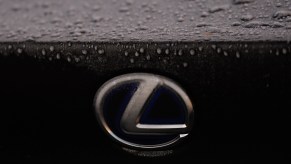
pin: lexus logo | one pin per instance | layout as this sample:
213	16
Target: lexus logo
143	110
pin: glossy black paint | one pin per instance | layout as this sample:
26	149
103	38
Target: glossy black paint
242	102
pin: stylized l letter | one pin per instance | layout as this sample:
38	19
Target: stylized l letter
130	121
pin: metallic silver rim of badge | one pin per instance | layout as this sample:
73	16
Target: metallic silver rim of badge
147	84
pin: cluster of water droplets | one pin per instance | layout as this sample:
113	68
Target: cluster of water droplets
145	20
181	55
65	51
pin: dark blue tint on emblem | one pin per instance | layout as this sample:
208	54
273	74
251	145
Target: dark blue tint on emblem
164	107
115	103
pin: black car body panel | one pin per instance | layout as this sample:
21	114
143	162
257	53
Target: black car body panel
236	72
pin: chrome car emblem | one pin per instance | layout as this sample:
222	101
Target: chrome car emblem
143	110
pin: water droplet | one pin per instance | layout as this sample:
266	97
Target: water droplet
101	51
180	52
9	47
129	2
19	50
254	24
52	48
43	52
277	25
141	50
142	28
203	24
148	57
84	52
136	54
96	18
96	8
185	64
123	9
247	17
237	54
77	59
278	4
56	20
204	14
284	51
69	59
192	52
225	53
219	50
131	60
180	19
237	2
218	8
159	51
277	53
125	53
58	56
236	24
267	85
167	51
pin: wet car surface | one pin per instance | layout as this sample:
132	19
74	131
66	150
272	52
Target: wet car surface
231	57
